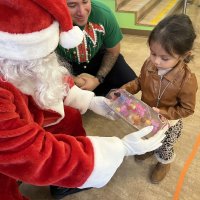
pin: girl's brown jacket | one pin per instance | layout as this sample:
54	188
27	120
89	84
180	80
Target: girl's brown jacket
176	89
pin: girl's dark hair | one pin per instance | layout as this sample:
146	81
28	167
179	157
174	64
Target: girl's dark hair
175	34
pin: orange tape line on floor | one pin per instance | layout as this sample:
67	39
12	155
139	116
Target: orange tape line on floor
185	168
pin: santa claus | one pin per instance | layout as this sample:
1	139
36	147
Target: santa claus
42	141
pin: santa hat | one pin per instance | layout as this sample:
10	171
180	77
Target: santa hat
31	29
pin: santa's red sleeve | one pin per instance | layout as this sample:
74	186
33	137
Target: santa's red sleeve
60	154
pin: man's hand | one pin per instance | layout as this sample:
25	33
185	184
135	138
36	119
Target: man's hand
89	82
79	81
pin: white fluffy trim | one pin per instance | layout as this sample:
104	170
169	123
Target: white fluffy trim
108	156
71	38
30	45
79	99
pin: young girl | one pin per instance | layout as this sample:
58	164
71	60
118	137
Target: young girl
167	84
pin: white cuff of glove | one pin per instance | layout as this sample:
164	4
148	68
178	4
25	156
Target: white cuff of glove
110	151
99	106
79	99
108	155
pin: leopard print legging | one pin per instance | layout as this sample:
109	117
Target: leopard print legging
165	154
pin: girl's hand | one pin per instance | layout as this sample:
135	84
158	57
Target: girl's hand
156	109
162	118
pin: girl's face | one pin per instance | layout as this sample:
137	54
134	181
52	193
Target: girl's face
160	58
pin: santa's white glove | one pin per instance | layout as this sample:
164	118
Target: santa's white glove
98	105
135	145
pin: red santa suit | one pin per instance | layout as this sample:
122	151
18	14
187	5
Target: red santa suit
36	152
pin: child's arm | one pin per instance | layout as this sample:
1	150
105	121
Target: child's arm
186	100
132	87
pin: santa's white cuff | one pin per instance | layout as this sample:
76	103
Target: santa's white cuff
79	99
108	156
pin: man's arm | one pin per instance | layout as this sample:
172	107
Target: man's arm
109	60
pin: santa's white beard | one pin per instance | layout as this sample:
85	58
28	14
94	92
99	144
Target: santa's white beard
42	78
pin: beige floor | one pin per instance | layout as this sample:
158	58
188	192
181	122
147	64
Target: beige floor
131	181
